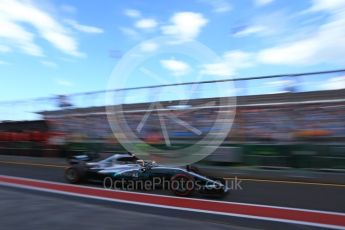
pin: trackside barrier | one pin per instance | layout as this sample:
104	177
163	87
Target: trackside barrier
297	155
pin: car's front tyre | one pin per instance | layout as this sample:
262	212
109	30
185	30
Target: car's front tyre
74	175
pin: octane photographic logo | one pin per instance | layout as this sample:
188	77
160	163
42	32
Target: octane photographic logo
136	66
158	183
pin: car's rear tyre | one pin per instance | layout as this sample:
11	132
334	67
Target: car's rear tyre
182	185
74	175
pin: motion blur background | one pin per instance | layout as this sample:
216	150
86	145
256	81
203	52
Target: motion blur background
288	126
285	59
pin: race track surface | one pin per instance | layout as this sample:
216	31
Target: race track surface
316	196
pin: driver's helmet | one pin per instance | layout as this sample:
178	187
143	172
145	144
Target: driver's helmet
141	163
146	163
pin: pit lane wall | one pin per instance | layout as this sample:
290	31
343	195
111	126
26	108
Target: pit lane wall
293	155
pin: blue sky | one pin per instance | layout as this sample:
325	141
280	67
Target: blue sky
61	47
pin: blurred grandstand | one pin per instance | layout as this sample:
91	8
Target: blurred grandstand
295	124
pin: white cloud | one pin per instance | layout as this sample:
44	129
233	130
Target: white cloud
231	62
177	68
218	6
249	31
300	52
335	83
185	26
277	24
17	35
217	69
146	23
148	46
323	46
132	13
49	64
262	2
13	12
326	5
84	28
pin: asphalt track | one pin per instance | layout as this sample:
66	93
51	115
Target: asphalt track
316	196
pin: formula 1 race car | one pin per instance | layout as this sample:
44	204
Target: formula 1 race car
126	172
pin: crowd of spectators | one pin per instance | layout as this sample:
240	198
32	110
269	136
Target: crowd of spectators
260	123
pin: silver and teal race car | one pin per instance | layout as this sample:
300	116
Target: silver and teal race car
125	172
